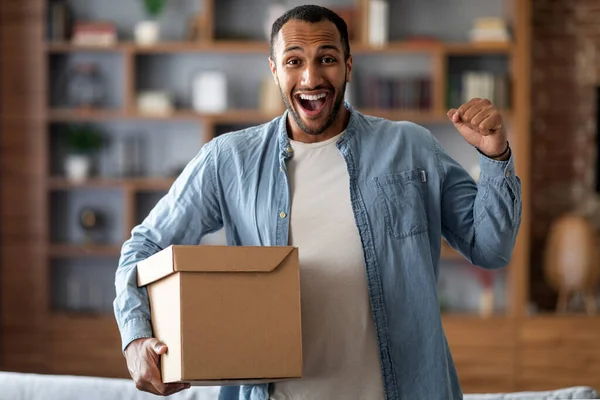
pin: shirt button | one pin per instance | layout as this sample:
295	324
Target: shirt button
282	214
507	174
289	149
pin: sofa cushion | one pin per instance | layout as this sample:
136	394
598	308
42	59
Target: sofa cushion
577	392
18	386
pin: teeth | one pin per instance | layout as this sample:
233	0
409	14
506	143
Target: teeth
312	96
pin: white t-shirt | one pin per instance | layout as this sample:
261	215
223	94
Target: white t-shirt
341	356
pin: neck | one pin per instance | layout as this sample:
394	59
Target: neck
340	123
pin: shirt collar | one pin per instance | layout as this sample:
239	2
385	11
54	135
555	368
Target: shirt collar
285	149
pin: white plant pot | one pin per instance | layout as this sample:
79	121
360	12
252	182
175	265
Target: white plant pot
147	32
77	167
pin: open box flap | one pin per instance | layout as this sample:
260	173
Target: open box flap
180	258
229	258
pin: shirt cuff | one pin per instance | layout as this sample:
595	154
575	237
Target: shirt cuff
491	169
135	329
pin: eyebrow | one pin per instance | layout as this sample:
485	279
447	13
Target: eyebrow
323	47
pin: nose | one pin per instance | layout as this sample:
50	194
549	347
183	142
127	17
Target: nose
311	76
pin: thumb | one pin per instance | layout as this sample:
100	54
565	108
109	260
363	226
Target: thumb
158	346
454	116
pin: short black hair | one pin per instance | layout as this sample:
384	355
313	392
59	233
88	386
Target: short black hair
313	14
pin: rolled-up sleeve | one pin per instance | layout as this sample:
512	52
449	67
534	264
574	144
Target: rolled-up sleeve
481	220
188	211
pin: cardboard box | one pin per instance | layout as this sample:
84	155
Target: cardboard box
228	315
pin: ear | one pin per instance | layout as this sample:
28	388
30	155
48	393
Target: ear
348	68
273	68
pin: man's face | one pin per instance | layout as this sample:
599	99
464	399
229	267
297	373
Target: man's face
310	70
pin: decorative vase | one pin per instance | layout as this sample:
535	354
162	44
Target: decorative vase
147	32
571	258
77	167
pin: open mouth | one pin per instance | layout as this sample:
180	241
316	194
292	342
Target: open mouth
312	104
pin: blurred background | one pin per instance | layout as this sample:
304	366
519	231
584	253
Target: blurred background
102	103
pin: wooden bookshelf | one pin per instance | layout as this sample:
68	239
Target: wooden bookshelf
498	353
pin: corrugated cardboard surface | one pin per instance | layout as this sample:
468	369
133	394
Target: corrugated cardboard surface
231	313
166	311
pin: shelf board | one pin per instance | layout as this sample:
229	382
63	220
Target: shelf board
262	47
73	250
73	115
221	46
231	116
138	184
67	47
477	48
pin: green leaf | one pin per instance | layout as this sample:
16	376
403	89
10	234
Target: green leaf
83	139
154	7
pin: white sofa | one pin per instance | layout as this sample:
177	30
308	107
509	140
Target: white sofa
17	386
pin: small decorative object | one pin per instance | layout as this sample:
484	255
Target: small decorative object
147	32
274	11
209	92
91	221
127	152
85	86
196	24
378	22
81	142
571	260
489	29
155	102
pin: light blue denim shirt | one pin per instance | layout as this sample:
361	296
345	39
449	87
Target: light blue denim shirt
406	194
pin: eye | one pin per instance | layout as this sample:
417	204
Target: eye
328	60
293	61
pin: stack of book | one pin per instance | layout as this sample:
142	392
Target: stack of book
97	33
398	93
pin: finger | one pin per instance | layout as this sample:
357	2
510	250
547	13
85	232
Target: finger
490	124
480	117
155	379
157	346
475	109
465	107
453	115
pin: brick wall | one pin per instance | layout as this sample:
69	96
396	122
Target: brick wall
565	72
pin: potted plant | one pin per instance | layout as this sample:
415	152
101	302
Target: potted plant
82	142
147	32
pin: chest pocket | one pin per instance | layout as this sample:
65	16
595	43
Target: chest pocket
402	199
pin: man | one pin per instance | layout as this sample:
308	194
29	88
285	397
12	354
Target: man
366	200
